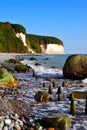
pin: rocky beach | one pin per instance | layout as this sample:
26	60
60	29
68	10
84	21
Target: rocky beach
22	109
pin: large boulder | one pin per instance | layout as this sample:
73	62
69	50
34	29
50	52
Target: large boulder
6	79
58	120
75	67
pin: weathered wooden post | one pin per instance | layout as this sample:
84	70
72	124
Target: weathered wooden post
33	73
50	89
64	84
86	107
44	84
54	84
72	106
59	92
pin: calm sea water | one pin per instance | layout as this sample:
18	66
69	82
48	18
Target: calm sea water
48	65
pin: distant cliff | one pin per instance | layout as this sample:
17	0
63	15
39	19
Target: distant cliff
13	38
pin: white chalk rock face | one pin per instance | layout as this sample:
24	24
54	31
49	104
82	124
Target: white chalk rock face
22	37
54	49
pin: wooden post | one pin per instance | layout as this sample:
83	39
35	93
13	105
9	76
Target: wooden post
59	97
33	73
54	84
44	84
59	91
86	107
50	89
72	106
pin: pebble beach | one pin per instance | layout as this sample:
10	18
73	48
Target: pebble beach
24	105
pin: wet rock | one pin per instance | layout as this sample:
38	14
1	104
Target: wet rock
37	64
6	79
20	68
13	61
75	67
41	96
59	120
33	58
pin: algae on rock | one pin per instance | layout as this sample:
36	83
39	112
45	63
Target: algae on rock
6	79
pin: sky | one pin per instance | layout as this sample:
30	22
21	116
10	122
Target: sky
63	19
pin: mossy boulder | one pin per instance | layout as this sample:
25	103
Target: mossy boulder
14	61
41	96
6	79
75	67
58	120
20	68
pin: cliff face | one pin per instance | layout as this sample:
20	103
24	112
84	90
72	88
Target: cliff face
53	49
13	38
45	44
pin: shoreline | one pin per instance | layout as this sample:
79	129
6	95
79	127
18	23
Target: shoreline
7	56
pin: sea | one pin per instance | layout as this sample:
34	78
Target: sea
51	66
47	65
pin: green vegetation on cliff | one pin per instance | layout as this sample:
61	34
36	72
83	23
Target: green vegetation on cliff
34	41
8	40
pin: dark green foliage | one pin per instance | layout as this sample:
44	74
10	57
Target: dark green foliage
34	41
19	28
8	40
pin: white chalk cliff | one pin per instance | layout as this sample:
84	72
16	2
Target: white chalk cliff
23	38
54	49
48	49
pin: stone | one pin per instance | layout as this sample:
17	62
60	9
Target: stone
51	128
6	79
41	96
58	120
17	127
1	125
75	67
38	127
7	122
5	128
